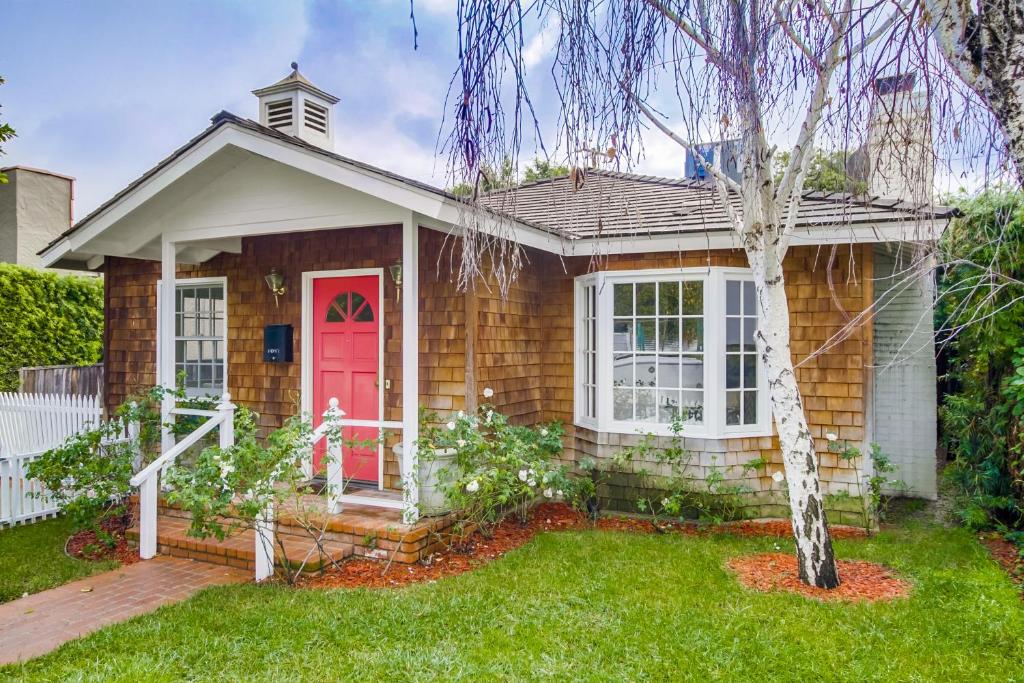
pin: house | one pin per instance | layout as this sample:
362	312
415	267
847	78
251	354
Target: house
35	207
634	302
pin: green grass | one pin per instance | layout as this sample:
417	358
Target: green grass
32	559
585	606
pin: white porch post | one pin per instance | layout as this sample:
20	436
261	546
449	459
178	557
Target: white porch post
410	367
168	291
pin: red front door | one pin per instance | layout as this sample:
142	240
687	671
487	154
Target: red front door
346	358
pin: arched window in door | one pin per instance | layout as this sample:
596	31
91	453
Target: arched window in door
349	306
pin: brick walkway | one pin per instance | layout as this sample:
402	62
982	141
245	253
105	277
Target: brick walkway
39	623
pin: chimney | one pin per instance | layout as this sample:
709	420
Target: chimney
294	106
899	159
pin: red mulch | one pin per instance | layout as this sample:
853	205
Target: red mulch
859	581
1008	557
508	535
116	526
779	528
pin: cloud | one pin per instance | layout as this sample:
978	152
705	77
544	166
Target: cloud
543	43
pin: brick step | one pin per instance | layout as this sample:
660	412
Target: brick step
239	549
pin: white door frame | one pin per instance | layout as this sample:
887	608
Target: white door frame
306	346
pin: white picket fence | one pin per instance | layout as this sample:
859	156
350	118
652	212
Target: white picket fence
30	425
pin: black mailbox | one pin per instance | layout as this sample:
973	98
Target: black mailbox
277	344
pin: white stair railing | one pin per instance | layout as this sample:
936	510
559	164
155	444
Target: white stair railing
331	428
148	480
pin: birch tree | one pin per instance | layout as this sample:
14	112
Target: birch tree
738	68
982	41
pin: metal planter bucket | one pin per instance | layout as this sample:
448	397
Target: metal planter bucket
432	500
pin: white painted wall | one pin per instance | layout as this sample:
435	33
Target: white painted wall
902	402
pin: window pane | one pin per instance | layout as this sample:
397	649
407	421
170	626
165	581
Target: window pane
191	352
693	334
179	325
692	409
732	334
645	298
646	405
749	371
622	335
668	334
749	407
646	370
623	299
693	298
668	406
622	374
732	298
692	372
645	335
732	407
622	404
179	351
189	327
749	299
668	298
218	328
364	314
668	371
732	371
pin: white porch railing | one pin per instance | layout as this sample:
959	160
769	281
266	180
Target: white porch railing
148	479
30	425
333	423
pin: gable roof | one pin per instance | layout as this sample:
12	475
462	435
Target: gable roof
602	203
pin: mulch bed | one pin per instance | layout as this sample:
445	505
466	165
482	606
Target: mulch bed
511	534
859	581
85	545
1008	557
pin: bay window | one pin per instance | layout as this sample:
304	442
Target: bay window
657	346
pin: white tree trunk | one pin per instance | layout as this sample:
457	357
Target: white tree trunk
815	557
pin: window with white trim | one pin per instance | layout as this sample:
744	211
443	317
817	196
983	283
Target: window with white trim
654	346
200	335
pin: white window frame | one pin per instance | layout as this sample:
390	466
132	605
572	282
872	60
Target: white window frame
192	282
714	426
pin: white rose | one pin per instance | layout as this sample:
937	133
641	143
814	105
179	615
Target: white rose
460	443
831	436
543	432
523	475
451	426
548	493
473	486
531	483
490	414
488	392
664	502
460	414
558	493
778	476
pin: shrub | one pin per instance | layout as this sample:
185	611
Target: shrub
981	305
498	467
874	506
47	319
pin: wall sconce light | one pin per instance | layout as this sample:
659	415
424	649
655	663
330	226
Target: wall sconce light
396	275
276	283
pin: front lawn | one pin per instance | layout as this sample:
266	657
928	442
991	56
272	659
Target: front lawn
586	606
32	559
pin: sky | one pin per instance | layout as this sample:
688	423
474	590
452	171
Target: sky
103	90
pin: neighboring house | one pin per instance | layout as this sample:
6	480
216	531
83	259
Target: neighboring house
35	207
634	302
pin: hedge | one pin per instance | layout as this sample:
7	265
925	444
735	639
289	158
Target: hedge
47	319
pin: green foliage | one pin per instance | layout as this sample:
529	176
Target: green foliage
88	475
240	482
47	319
541	169
710	498
498	467
827	172
981	306
6	133
874	506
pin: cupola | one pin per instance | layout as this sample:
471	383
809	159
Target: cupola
295	106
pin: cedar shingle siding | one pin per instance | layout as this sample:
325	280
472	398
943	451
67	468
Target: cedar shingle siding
522	347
